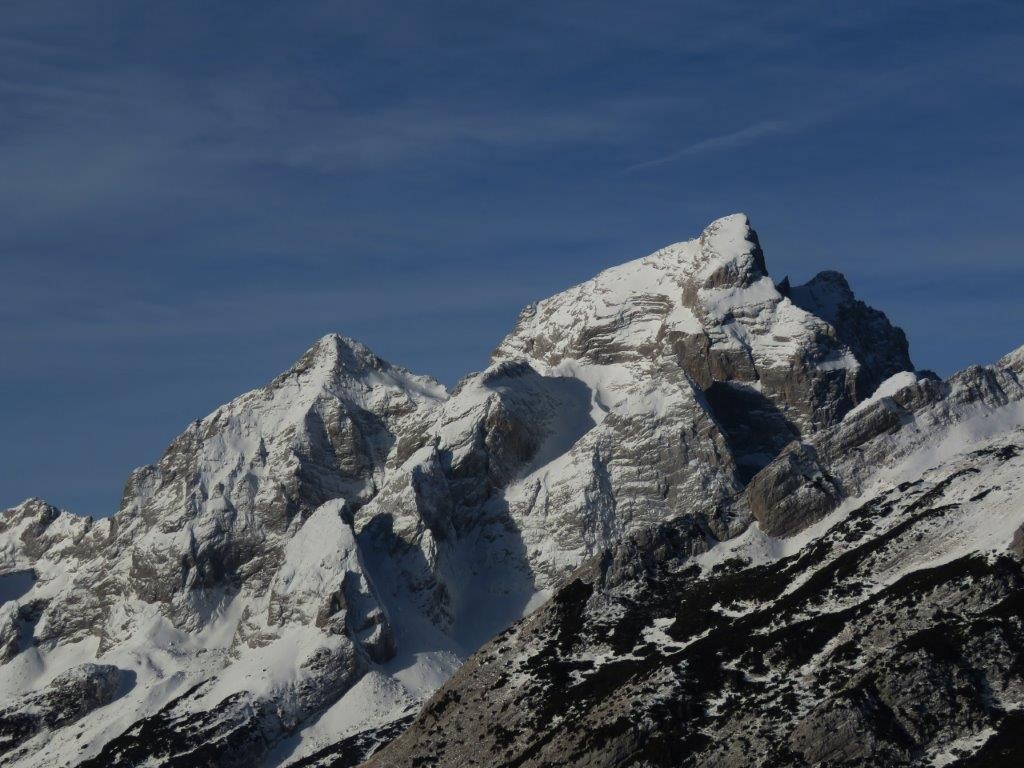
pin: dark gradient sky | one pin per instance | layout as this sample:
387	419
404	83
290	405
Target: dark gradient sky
191	192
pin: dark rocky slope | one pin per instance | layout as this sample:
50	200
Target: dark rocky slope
891	639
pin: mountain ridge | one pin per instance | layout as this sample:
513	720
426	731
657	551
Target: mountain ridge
305	565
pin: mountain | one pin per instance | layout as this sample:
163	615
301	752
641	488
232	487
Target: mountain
677	489
885	626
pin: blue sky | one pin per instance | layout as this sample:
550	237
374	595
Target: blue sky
191	193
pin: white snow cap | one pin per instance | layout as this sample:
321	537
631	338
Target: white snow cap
728	234
887	388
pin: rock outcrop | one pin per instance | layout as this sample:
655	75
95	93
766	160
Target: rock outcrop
64	700
809	479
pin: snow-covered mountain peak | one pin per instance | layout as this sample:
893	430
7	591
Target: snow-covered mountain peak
32	508
714	288
879	347
1013	361
729	253
336	362
31	529
708	309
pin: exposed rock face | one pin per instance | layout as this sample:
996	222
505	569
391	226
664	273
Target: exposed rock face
305	565
808	480
879	347
792	492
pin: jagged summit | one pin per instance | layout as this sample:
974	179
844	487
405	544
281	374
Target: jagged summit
879	346
730	252
36	505
1013	361
306	564
638	303
337	361
824	294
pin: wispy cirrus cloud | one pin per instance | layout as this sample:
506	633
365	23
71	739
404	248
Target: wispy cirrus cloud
729	140
109	141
